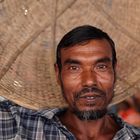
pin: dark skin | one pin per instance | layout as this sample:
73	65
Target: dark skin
102	129
88	65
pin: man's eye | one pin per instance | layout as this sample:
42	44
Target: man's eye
102	67
74	68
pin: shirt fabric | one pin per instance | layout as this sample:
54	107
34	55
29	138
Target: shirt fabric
18	123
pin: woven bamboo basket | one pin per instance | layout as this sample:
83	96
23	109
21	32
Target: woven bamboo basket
30	31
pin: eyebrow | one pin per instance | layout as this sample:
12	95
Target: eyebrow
101	60
71	61
104	60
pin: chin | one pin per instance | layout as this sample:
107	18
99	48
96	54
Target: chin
90	114
90	107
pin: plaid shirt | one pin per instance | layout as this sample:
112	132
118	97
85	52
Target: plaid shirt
18	123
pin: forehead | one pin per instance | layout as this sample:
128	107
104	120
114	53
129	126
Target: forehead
93	48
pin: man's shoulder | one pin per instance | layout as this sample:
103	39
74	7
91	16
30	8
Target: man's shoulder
14	109
14	119
133	129
127	131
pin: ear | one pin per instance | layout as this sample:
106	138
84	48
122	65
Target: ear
57	73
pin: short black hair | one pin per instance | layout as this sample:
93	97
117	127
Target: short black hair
81	34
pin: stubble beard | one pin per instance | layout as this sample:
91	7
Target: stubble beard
90	114
85	114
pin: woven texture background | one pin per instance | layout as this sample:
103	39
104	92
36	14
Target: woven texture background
31	29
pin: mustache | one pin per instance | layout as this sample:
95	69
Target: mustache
93	90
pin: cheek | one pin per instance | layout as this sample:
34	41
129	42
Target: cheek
70	80
107	79
106	83
70	85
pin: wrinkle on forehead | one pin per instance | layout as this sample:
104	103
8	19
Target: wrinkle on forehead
95	48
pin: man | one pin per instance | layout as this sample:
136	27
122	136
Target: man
86	71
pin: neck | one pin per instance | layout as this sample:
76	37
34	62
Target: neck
88	128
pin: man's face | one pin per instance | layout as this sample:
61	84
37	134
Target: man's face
87	75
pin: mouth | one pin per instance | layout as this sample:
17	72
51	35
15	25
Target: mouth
90	97
88	101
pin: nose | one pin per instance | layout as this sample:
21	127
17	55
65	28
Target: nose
89	78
